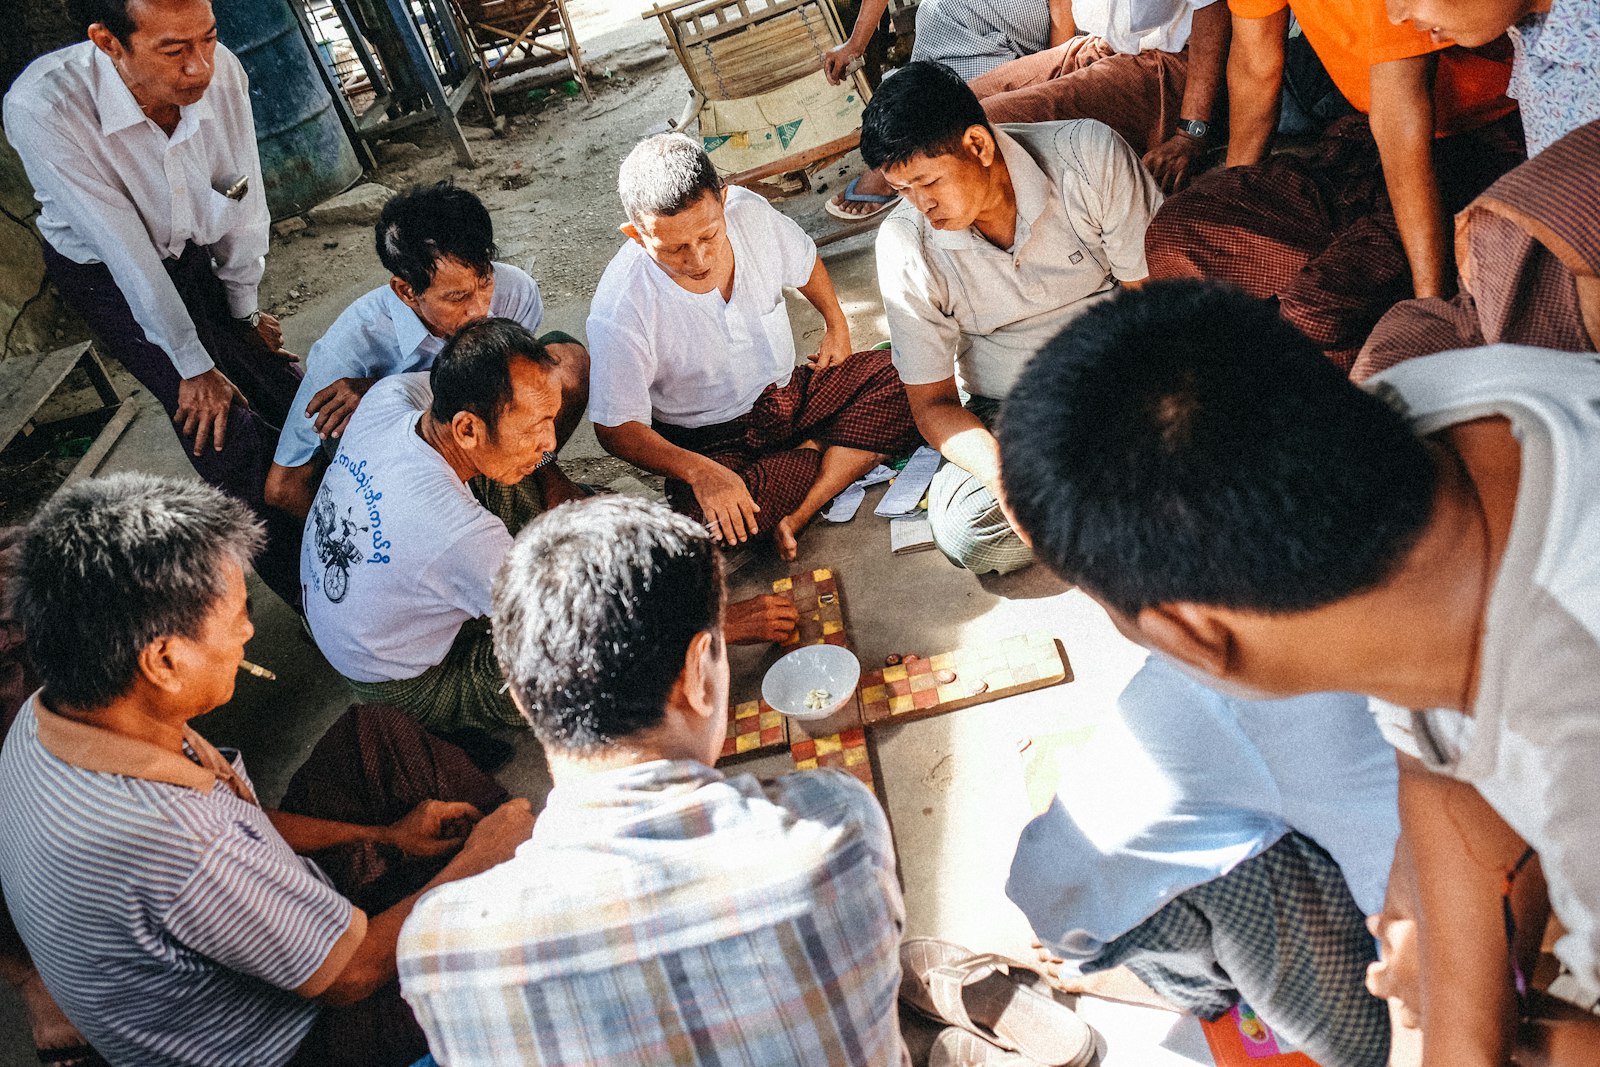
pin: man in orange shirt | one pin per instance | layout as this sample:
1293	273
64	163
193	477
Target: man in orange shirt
1335	245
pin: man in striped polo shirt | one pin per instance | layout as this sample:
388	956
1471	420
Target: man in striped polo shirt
171	917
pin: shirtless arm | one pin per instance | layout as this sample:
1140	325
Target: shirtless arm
292	489
729	509
1460	850
957	433
1172	162
1063	27
836	59
1402	124
1255	82
835	346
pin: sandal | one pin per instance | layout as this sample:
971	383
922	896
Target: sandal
952	985
957	1048
884	202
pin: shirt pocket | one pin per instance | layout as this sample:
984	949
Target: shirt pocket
221	216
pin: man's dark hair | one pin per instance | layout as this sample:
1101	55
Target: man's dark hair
112	564
923	109
665	174
112	14
473	371
594	609
427	223
1183	443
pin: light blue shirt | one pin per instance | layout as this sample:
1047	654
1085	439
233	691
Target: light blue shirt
1183	785
378	336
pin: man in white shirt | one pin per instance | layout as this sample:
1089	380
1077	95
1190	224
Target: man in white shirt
1222	849
1195	465
141	149
437	242
1149	69
1006	236
399	554
694	372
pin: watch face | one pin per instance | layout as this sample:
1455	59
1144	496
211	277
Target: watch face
1193	127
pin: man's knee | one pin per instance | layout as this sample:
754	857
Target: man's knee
969	527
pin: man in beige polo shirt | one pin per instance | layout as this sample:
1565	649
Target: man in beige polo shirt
1006	235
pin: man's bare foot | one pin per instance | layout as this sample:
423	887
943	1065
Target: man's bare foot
760	620
784	539
871	183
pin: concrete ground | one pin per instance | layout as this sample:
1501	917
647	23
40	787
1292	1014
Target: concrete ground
952	785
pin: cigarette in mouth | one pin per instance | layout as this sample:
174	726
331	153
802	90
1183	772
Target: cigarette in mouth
257	670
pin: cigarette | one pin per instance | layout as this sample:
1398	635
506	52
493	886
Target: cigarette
257	670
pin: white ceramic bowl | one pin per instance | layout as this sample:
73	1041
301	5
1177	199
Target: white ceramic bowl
791	680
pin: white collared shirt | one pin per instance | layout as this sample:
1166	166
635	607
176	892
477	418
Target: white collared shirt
659	352
958	305
1134	26
113	188
378	335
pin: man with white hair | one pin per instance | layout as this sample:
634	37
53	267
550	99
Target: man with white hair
693	370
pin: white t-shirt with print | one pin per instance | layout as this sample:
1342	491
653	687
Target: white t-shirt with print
1531	745
659	352
397	553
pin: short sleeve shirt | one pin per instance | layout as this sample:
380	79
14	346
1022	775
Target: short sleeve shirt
1532	741
1350	37
1557	70
957	305
397	552
661	353
167	916
379	335
1134	26
973	37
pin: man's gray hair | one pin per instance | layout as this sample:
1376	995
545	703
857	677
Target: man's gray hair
665	174
112	564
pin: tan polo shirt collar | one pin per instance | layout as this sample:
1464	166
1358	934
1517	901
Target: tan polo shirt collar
92	748
1031	186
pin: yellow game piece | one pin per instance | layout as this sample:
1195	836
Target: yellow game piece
831	627
783	585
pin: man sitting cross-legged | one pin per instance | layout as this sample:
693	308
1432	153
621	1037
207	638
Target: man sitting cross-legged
661	913
169	914
399	552
437	242
1006	236
694	371
1190	461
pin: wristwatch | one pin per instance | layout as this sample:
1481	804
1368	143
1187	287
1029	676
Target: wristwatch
1195	128
251	320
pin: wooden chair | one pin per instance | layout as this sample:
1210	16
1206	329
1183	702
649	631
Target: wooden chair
743	52
508	36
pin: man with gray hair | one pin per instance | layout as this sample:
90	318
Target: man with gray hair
662	912
693	370
171	916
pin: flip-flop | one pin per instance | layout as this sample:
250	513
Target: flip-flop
952	985
957	1048
884	202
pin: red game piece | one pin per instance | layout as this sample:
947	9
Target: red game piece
891	660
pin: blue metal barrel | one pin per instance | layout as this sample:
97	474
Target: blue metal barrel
305	155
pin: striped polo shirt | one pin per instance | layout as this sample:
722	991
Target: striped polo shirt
167	916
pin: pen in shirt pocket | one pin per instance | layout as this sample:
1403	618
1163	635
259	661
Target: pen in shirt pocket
239	187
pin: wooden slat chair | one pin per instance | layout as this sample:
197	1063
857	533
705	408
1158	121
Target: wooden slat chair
749	60
508	36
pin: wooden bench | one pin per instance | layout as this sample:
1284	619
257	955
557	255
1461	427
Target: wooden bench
32	379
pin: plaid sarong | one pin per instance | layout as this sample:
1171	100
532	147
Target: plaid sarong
1317	232
858	404
1280	932
466	689
1522	247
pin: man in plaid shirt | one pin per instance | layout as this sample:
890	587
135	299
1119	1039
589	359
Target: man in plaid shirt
661	912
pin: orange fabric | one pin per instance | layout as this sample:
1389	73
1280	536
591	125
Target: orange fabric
1352	36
